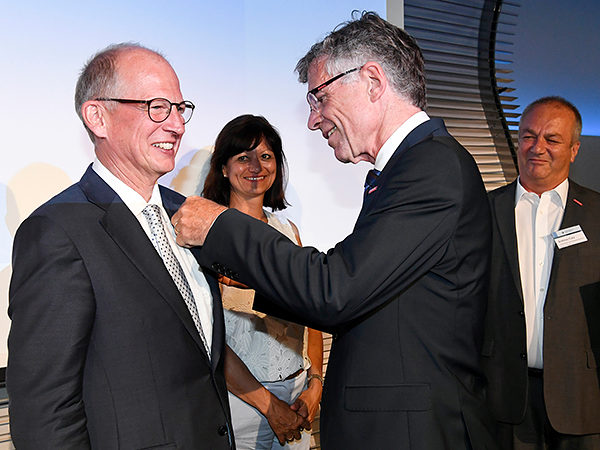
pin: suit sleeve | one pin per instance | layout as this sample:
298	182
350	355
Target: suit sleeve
402	235
51	306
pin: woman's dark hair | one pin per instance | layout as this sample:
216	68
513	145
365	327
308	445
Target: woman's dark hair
243	134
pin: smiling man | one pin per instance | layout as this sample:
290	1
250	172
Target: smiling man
542	347
117	337
404	295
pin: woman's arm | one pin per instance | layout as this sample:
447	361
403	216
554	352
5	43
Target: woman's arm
307	403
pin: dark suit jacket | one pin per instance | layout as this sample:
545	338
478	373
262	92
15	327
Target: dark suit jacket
571	319
404	294
103	352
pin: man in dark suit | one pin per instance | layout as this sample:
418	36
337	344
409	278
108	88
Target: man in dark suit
542	342
104	352
405	293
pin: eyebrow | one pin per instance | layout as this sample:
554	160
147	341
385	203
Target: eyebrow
526	131
553	135
545	135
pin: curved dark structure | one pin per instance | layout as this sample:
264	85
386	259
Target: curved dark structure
467	46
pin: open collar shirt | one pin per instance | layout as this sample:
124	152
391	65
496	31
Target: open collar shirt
536	218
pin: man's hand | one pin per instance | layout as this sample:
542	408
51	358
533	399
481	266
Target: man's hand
194	219
285	423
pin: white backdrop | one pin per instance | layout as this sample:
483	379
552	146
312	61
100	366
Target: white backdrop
232	57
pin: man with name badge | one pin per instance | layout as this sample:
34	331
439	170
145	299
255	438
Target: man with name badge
542	342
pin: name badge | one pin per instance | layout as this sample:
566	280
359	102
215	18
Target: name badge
569	236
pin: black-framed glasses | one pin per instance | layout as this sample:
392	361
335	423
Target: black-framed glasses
159	109
311	96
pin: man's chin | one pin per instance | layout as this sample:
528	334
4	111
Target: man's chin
342	159
341	156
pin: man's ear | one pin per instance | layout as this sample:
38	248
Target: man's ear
575	150
378	82
94	116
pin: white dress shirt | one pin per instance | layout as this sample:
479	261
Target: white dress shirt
393	142
536	218
136	203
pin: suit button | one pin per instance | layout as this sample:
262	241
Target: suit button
523	355
521	313
222	430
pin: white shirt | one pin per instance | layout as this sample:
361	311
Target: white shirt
536	218
136	203
393	142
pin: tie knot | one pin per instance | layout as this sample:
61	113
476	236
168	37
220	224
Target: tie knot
151	209
371	178
152	213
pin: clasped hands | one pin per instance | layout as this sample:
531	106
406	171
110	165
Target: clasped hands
288	421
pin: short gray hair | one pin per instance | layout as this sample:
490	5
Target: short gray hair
99	76
370	38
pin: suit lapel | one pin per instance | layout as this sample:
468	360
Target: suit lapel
426	130
171	202
127	233
574	209
504	215
574	215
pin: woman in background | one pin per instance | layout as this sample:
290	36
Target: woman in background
247	172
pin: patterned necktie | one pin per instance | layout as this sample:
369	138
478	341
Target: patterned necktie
371	179
162	246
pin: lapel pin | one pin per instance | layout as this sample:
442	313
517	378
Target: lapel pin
578	202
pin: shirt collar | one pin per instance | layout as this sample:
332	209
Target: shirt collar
394	141
134	201
561	190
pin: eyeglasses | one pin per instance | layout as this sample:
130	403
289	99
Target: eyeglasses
159	109
311	96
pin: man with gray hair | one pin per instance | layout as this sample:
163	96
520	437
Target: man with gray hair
117	337
404	294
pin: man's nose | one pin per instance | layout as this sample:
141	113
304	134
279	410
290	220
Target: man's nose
175	122
314	120
538	146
